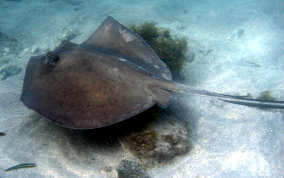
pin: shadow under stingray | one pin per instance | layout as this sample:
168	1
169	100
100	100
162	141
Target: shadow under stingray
154	136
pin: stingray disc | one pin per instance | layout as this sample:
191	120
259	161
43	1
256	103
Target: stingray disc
108	78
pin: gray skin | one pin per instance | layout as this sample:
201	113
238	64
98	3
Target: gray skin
97	83
111	77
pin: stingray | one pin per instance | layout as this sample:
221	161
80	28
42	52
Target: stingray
110	77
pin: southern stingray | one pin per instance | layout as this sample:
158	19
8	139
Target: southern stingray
110	77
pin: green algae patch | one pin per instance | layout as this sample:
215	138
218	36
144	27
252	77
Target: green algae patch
172	50
142	141
266	96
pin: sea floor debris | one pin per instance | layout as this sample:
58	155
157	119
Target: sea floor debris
21	166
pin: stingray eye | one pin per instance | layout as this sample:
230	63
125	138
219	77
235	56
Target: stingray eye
52	58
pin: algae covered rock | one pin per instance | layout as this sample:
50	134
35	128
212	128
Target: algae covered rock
160	141
172	50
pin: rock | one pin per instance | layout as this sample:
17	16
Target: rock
159	143
131	169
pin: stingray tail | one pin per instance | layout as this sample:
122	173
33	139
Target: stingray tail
264	104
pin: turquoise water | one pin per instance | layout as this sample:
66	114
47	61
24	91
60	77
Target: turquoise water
237	48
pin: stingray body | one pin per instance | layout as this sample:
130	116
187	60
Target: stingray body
111	77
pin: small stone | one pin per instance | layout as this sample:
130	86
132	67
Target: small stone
131	169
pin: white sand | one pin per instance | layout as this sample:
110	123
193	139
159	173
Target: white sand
244	40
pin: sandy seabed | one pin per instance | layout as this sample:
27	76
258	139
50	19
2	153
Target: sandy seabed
237	48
